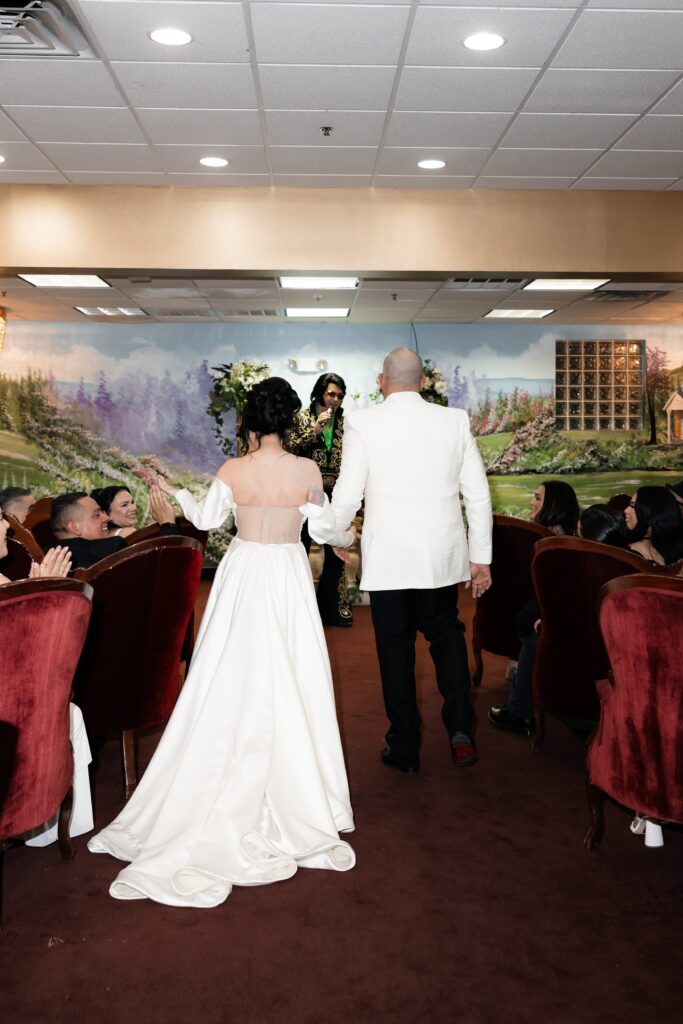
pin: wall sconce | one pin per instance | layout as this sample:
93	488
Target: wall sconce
307	365
3	327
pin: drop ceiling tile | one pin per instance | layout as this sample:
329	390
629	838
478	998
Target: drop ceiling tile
623	39
217	289
77	124
213	180
398	285
481	89
202	127
541	162
672	103
76	157
531	36
329	88
625	163
458	162
445	129
620	184
188	86
12	177
322	180
598	92
22	156
566	131
302	127
122	30
521	3
655	132
185	159
295	33
655	5
320	160
415	181
531	182
117	178
8	131
63	82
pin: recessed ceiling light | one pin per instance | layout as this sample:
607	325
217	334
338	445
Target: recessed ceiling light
2	159
431	165
213	161
518	314
483	41
320	312
171	36
110	310
64	280
319	283
565	284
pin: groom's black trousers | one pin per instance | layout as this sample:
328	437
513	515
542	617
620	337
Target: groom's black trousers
397	615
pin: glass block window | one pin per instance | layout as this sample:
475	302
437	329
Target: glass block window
599	385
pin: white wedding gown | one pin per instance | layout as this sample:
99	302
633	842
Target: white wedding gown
248	781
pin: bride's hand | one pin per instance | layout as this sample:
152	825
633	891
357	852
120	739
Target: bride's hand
164	486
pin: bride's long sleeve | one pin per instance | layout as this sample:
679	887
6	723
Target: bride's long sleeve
213	509
323	527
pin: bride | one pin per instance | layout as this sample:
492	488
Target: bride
248	781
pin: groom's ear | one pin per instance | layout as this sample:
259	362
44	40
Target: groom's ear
380	382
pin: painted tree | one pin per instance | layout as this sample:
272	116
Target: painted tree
657	383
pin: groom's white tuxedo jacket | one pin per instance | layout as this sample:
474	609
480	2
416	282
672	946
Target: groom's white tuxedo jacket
411	460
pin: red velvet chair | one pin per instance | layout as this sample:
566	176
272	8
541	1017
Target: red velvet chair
38	522
493	627
568	573
43	624
128	676
22	550
635	755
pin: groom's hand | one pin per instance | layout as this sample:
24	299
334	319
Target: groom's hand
481	578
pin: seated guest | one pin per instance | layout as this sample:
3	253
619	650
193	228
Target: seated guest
57	561
619	502
80	525
677	491
554	504
654	525
17	502
119	505
605	525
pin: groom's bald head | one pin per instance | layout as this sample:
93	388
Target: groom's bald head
402	371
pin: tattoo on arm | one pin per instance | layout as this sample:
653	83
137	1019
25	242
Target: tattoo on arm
316	496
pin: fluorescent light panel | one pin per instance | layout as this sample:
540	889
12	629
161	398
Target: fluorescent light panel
64	280
110	311
323	284
518	314
565	284
319	312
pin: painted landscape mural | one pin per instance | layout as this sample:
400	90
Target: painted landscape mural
85	405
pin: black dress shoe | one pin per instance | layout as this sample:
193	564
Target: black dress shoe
394	760
503	719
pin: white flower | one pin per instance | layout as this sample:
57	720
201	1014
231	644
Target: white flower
441	387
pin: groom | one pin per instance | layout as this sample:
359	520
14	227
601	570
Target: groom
411	461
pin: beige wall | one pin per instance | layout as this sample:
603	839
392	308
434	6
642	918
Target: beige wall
218	229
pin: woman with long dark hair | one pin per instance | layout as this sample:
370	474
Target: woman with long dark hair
248	781
654	524
324	446
119	504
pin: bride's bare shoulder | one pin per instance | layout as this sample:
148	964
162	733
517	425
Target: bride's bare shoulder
227	471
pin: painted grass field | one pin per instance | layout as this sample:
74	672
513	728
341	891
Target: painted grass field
18	468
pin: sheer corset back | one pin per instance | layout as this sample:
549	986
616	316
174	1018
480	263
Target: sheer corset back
268	524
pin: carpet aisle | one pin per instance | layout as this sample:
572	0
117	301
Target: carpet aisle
473	900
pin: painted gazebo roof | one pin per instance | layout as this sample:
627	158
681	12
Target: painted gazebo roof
674	401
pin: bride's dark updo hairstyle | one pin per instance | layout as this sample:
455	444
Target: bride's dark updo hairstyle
270	409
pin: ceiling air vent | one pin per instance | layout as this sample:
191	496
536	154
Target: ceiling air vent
41	28
612	296
249	313
184	314
483	284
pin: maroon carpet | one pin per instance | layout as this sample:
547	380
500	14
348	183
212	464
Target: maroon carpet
473	900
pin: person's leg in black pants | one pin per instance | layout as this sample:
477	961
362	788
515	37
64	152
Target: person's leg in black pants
332	594
394	615
437	618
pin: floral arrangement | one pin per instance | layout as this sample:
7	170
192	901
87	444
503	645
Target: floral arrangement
232	382
435	387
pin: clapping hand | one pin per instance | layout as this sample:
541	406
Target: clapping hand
57	562
481	578
159	505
